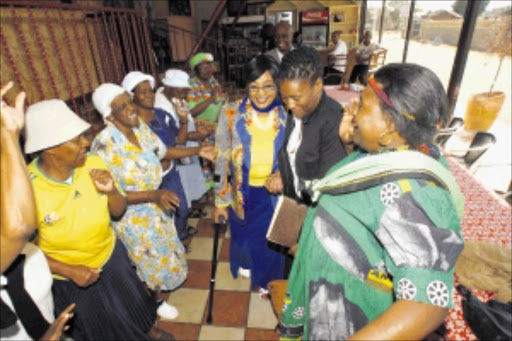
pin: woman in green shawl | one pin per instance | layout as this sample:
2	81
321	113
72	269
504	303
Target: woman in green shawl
377	250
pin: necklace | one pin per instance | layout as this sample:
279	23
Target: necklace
263	125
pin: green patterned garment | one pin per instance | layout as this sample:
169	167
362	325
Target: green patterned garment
360	252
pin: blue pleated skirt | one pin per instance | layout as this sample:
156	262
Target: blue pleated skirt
116	307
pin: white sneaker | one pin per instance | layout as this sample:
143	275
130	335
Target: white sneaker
167	311
244	272
263	293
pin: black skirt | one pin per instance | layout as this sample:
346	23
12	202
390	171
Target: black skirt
116	307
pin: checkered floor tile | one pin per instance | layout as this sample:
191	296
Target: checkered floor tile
237	313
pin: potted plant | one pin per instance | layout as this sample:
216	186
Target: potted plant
483	108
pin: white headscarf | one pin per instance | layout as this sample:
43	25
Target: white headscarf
132	79
103	97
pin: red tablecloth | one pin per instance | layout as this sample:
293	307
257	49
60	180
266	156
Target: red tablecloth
487	218
341	96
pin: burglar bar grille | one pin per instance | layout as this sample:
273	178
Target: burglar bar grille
65	51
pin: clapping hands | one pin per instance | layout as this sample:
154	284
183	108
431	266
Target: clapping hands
102	180
181	108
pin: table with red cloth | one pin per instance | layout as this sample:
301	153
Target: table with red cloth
487	218
339	95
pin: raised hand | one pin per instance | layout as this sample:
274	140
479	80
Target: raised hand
181	108
102	180
59	325
167	200
208	152
84	276
346	131
12	119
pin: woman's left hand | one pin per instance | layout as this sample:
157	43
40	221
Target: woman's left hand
208	152
102	180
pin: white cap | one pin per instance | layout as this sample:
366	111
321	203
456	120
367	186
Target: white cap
176	78
103	97
132	79
50	123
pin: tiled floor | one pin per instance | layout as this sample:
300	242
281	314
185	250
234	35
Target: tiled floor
238	313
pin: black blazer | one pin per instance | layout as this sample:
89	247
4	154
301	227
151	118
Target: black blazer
320	149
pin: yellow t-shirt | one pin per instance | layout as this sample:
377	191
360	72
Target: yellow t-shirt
262	152
73	219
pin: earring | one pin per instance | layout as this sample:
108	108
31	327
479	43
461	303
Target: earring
383	135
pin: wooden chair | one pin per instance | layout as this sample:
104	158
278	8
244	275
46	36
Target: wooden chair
333	76
378	60
480	144
445	133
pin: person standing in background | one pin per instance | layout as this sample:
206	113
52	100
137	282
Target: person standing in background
283	36
205	100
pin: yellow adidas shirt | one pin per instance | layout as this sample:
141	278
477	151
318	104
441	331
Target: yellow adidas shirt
73	219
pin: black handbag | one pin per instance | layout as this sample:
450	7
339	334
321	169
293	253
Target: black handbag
489	321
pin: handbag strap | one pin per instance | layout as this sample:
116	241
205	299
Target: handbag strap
24	306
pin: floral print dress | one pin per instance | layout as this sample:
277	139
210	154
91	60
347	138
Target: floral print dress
147	232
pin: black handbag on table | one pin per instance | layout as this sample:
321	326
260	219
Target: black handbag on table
489	321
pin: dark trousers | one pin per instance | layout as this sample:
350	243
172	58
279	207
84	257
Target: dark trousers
360	71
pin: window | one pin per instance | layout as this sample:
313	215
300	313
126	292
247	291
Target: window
180	8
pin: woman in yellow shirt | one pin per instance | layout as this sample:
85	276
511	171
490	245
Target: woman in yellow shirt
75	196
249	136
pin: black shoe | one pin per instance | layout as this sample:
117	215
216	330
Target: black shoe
192	231
197	213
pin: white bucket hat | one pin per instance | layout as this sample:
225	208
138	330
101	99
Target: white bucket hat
50	123
176	78
132	79
103	97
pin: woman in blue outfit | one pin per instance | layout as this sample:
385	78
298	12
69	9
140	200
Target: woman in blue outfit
164	125
249	136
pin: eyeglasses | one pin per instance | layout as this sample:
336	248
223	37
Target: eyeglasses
265	88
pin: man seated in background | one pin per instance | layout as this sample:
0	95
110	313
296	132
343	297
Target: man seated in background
337	50
364	54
